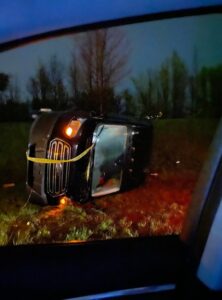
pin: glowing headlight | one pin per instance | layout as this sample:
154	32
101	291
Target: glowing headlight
72	129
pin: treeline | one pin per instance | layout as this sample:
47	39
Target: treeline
176	93
98	64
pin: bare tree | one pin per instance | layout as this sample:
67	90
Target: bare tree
75	78
39	87
146	87
102	58
179	85
164	78
56	78
47	87
4	83
14	91
193	83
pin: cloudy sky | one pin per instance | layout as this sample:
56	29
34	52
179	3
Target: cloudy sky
150	44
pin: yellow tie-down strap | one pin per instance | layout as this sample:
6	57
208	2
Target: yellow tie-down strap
40	160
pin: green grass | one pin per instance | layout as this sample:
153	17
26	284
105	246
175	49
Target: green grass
159	209
14	141
11	214
185	141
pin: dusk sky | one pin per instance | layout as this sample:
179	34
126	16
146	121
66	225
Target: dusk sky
150	43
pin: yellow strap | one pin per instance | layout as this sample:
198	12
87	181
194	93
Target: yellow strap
56	161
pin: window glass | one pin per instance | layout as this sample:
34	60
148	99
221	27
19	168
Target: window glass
148	96
109	150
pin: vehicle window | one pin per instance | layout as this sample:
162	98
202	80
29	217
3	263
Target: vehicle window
143	99
111	145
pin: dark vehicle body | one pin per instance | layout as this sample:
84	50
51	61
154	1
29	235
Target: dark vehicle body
48	140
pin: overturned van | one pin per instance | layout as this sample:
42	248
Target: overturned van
83	156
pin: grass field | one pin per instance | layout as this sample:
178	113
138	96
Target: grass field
157	207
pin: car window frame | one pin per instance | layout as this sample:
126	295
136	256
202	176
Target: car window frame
26	258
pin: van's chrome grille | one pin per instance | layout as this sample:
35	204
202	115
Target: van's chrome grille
57	174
